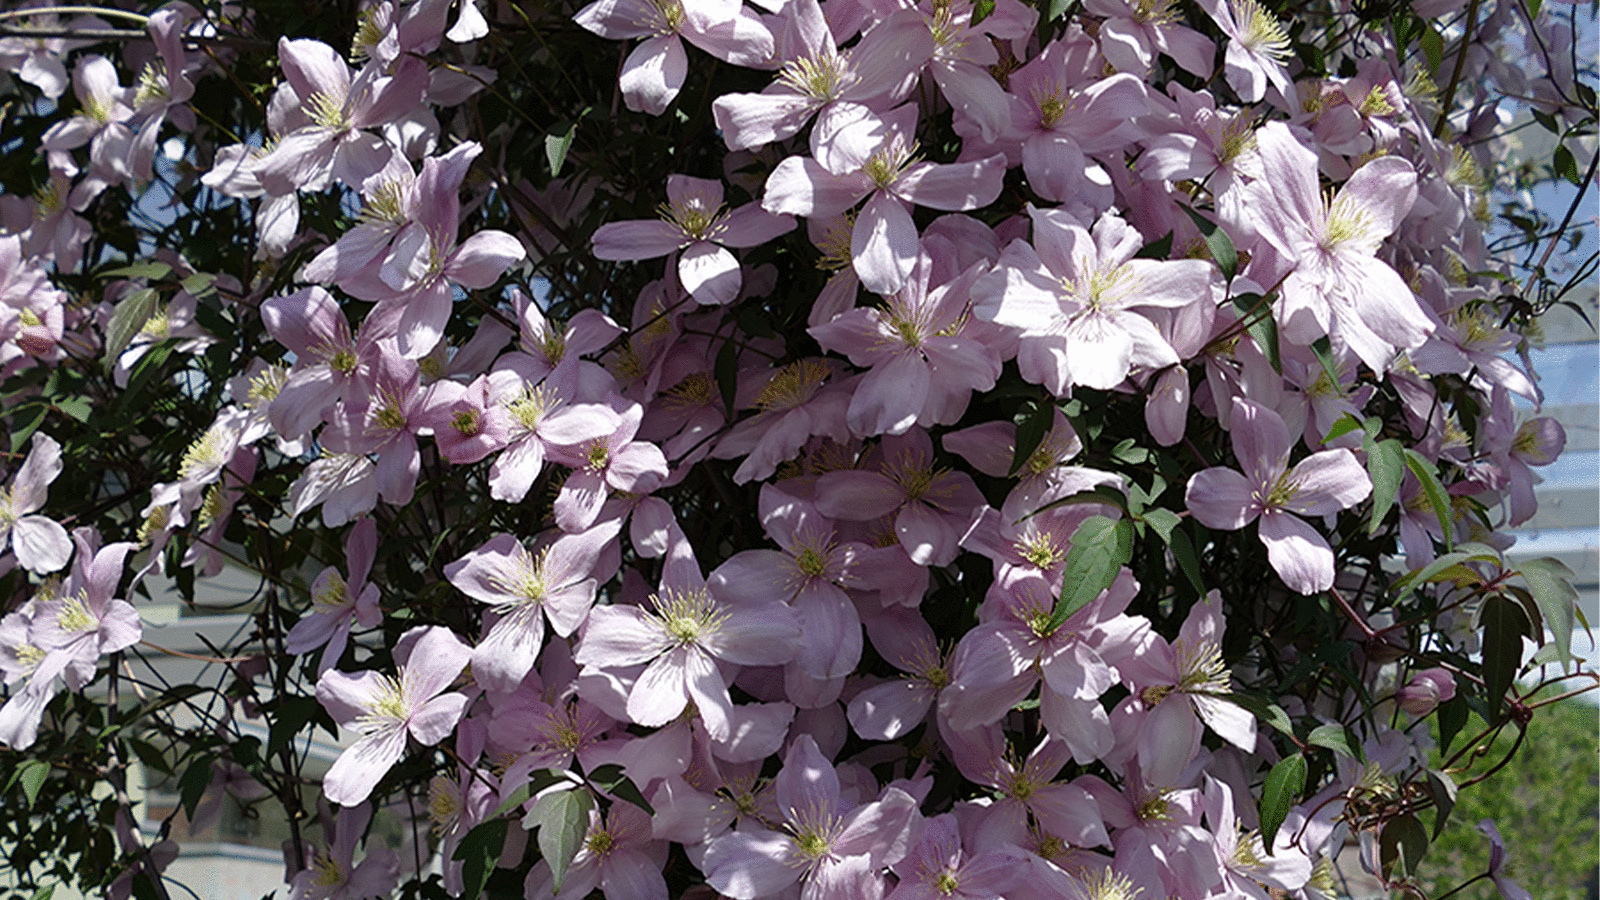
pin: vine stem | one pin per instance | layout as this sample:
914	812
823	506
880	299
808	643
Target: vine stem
1455	75
75	11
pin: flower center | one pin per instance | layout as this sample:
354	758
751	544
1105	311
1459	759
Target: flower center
821	78
1260	31
687	616
793	385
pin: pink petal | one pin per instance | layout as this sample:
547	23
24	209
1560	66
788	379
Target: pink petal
637	239
710	274
1297	552
1221	498
883	246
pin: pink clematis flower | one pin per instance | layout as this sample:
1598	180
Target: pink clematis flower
834	847
654	72
385	709
1320	485
333	145
859	154
1074	293
1337	286
693	221
523	588
41	545
337	604
688	641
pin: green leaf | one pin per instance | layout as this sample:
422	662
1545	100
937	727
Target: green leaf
1033	421
1100	547
27	424
1443	791
150	270
1432	47
1183	553
610	778
1550	582
981	10
1160	248
1263	709
193	782
1445	566
1261	327
562	818
32	775
1284	784
1323	349
1056	9
1401	846
1385	465
127	318
1346	424
1434	490
1163	520
45	893
478	852
287	720
1452	718
152	758
1564	165
1334	737
556	146
1504	624
1218	242
144	888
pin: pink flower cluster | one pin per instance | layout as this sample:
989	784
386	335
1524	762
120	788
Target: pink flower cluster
1012	212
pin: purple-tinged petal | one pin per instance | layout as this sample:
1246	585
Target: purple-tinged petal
883	246
637	239
710	274
362	765
1221	498
1300	556
480	260
653	74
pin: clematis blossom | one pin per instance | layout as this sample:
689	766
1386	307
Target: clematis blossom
1320	485
387	709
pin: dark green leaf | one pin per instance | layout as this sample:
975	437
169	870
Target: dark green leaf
981	10
1504	624
1550	582
1263	709
1033	421
1160	248
26	424
1100	547
193	782
1183	553
1334	737
45	893
478	852
1564	165
1284	784
1452	717
1262	328
556	146
152	758
127	318
288	719
1385	465
1401	846
32	775
144	888
610	778
1432	47
1443	791
1218	242
1056	9
1323	349
1434	490
562	818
